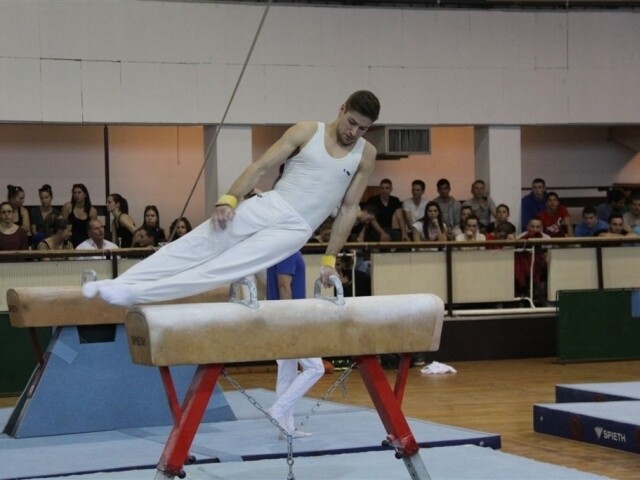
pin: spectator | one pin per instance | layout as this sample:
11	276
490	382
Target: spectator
533	203
78	212
465	212
632	217
414	207
482	205
96	240
430	227
60	236
122	226
152	220
42	217
502	215
179	227
20	213
364	217
449	206
616	228
590	223
502	231
388	215
525	272
144	238
555	217
12	237
615	204
471	232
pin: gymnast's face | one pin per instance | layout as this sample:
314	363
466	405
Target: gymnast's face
351	126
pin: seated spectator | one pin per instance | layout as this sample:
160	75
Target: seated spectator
555	217
144	238
525	272
590	223
449	206
59	238
42	217
502	215
78	211
616	228
502	231
615	204
12	237
20	213
632	217
152	220
122	226
533	203
430	228
389	224
414	207
179	227
482	205
323	232
364	217
96	240
471	232
465	212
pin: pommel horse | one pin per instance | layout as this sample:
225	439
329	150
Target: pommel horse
210	335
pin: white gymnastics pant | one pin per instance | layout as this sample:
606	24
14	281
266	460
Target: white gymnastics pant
264	231
291	386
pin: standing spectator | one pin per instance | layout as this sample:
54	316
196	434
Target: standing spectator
555	217
96	240
20	213
59	238
615	204
286	281
42	217
388	208
430	228
482	205
502	215
632	217
12	237
449	206
179	227
122	226
78	212
414	207
590	224
533	203
152	220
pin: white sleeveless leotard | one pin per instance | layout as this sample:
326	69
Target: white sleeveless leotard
314	182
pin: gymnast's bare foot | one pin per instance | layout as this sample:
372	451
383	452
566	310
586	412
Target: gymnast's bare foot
116	294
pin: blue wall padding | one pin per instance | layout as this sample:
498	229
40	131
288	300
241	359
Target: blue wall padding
89	387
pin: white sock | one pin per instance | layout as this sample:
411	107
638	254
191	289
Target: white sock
115	294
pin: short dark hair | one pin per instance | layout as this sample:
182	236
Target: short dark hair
616	215
615	195
443	182
589	210
365	103
539	180
386	180
506	228
420	183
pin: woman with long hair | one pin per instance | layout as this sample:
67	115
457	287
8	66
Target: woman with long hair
152	220
59	238
179	227
12	237
79	211
430	228
122	226
42	217
502	215
21	217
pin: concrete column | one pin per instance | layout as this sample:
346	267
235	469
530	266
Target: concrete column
227	159
498	163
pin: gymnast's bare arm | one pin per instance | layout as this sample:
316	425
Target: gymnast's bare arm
349	210
295	137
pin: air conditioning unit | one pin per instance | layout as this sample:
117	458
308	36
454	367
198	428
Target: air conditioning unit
396	142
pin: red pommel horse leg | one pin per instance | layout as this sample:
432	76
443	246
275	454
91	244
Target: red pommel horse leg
210	335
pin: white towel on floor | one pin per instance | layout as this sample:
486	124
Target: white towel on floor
435	368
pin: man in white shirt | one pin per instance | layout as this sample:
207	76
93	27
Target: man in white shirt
413	207
96	239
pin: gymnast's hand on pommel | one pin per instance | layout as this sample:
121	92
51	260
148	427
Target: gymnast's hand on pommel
325	273
224	211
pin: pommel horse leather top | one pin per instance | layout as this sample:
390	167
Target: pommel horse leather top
66	306
166	335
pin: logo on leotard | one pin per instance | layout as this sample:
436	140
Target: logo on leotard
346	171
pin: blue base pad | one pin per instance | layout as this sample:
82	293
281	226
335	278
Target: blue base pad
336	428
610	424
597	392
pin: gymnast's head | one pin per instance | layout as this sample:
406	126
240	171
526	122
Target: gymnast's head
365	103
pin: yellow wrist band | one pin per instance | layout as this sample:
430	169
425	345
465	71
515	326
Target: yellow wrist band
328	261
228	200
